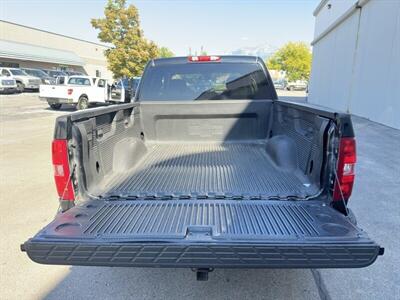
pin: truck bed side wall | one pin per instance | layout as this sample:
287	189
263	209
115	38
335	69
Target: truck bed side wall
104	142
305	131
115	141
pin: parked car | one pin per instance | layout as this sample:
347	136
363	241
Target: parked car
45	78
54	73
80	91
74	73
8	85
205	169
62	79
133	86
129	85
280	84
298	85
24	81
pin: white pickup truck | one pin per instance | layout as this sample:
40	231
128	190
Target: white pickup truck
80	91
7	85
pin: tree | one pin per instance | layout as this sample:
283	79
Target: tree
120	27
165	52
195	53
202	51
294	58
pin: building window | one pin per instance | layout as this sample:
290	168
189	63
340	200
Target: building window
98	73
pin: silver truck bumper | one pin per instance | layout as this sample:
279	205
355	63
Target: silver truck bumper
57	100
8	89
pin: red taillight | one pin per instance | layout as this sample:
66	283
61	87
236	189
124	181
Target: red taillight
203	58
61	170
69	91
345	169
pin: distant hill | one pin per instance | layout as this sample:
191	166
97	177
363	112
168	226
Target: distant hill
264	51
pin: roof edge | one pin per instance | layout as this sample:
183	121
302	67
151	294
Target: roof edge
227	58
40	59
38	53
319	7
54	33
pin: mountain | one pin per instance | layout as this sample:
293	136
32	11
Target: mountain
264	51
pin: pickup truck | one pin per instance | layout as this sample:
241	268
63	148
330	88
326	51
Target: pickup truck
80	91
129	85
205	169
23	80
54	73
297	85
44	77
7	84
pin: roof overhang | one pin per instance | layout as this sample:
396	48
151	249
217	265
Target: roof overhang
340	19
21	51
319	7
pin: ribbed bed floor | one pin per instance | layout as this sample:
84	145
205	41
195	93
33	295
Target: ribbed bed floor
238	170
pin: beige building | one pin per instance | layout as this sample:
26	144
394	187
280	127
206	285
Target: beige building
23	46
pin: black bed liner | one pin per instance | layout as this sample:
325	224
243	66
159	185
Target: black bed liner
238	169
203	233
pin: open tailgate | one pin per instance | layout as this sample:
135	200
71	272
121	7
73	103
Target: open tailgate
203	233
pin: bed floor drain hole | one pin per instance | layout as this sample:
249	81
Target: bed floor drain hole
78	216
67	226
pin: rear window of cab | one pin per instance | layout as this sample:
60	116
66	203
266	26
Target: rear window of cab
205	81
79	81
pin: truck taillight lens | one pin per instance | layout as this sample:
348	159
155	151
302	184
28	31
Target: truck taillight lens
70	92
345	169
61	170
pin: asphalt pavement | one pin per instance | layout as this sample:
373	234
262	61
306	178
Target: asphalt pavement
28	201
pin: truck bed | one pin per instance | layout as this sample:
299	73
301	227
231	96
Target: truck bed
240	149
231	169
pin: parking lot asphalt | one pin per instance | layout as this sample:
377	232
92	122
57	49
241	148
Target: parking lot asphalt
28	201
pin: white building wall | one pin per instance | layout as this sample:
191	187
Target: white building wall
327	16
332	66
376	90
356	66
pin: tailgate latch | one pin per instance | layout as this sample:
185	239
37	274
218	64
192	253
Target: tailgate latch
199	232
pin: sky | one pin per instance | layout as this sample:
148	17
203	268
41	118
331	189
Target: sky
219	26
